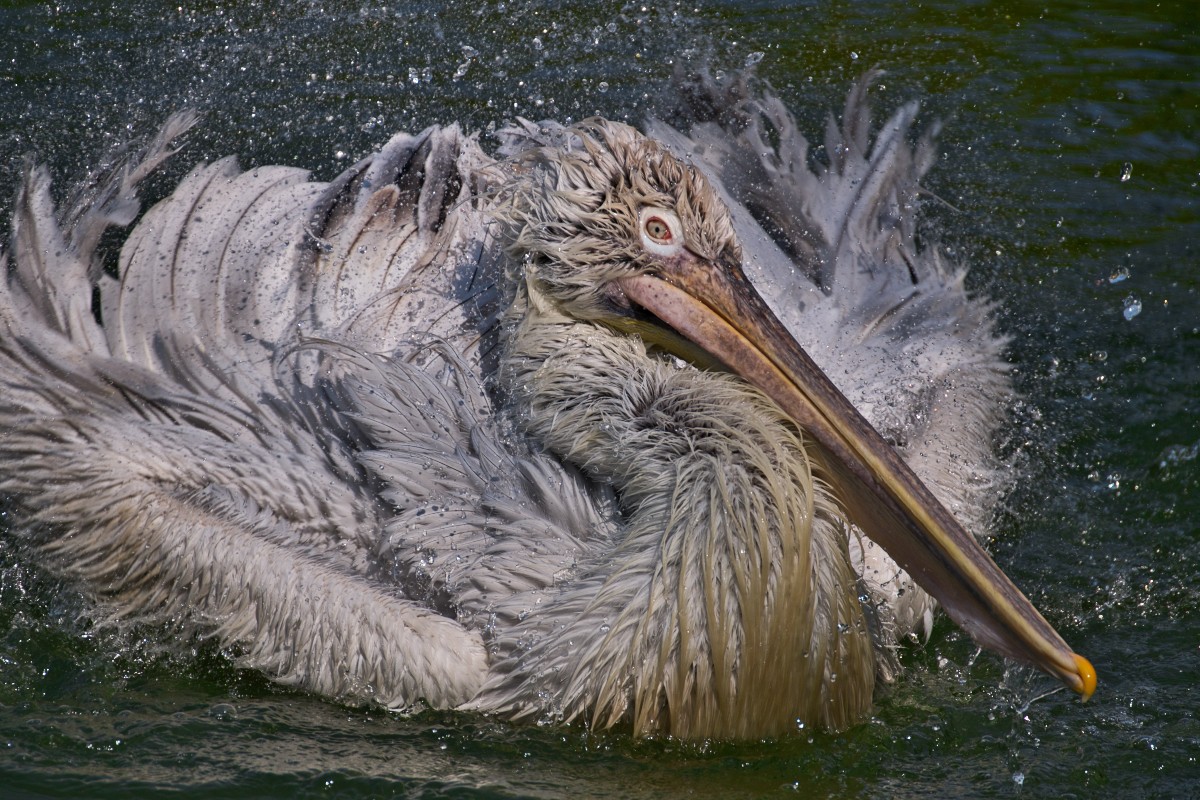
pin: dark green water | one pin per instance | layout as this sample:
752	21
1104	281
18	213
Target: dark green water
1072	162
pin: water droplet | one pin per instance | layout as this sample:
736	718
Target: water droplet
1019	778
754	58
1132	307
1178	454
223	711
853	56
1126	172
602	86
1119	274
537	43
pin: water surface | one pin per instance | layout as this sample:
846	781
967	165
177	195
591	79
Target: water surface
1070	170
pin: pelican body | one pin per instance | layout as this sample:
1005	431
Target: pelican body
666	430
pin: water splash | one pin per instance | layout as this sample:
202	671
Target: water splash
1178	454
1131	307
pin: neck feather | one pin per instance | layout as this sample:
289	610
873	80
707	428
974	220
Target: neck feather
727	607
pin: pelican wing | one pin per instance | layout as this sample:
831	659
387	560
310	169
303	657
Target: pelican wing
231	437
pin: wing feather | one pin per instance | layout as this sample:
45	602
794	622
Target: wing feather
178	455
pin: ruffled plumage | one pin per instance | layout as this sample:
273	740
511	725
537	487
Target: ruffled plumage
295	421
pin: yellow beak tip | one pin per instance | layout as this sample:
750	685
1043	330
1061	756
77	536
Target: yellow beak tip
1087	677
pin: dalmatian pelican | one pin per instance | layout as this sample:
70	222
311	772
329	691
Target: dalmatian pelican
679	431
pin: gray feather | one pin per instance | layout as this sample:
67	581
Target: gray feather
340	428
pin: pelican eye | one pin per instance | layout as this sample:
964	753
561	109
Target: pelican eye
658	230
661	231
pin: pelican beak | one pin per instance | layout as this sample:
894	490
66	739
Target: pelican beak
714	307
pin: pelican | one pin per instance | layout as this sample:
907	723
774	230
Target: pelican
675	431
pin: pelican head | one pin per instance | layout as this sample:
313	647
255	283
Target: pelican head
628	255
609	205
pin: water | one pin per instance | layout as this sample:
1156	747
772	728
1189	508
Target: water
1071	155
